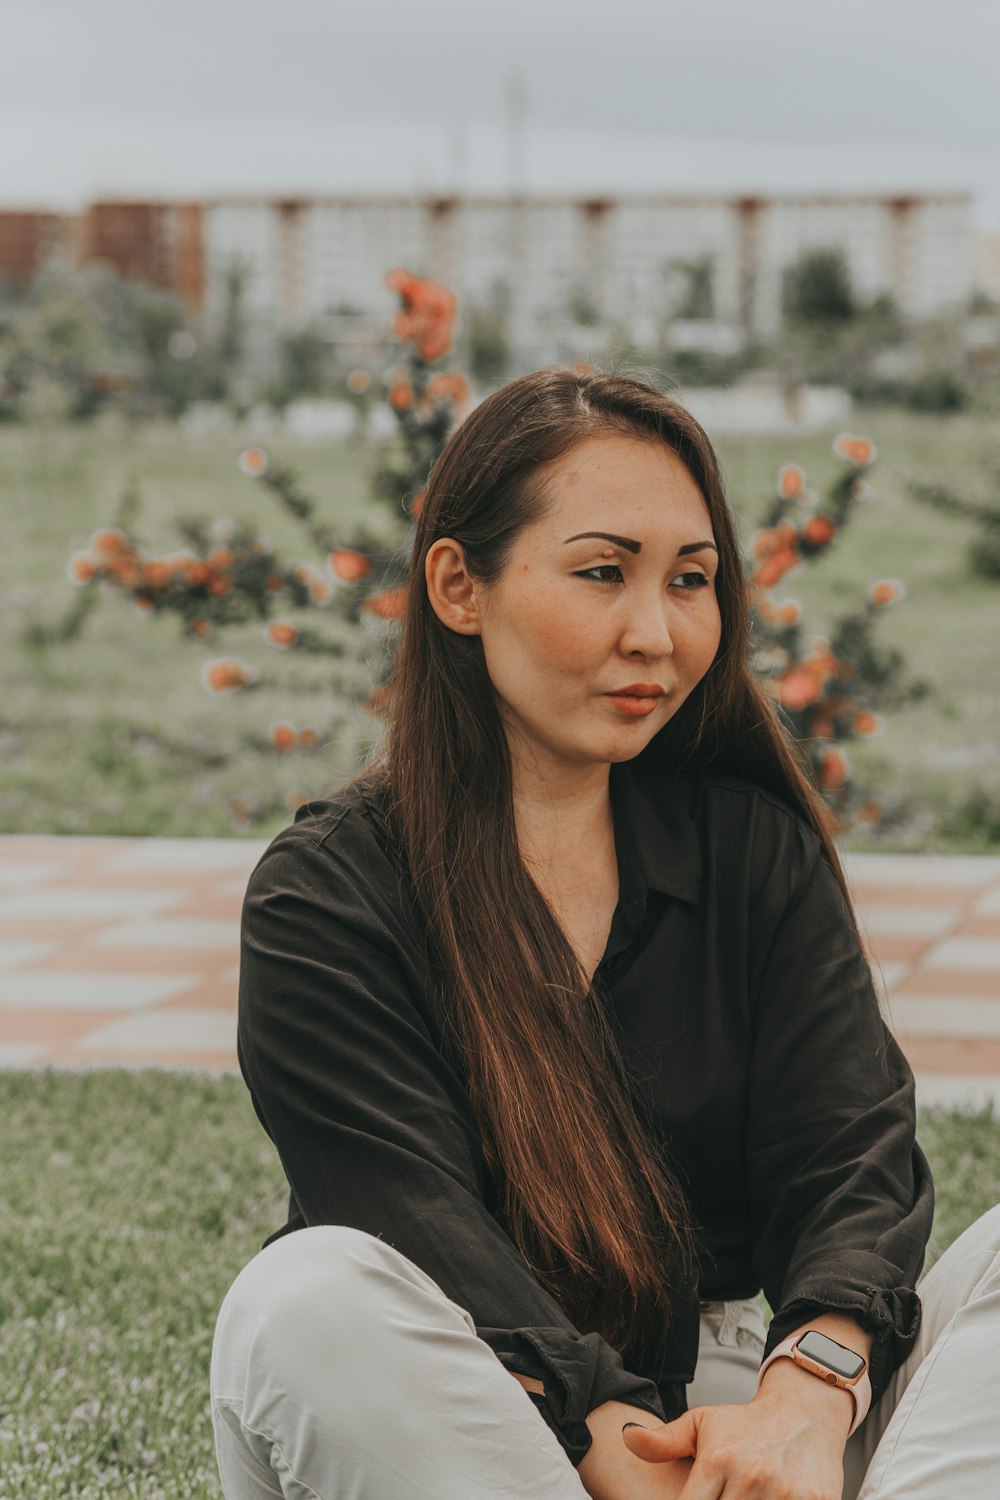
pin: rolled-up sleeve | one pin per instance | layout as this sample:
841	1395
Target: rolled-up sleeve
841	1193
374	1128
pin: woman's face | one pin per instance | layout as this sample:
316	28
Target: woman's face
574	619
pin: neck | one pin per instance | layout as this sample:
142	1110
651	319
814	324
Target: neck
560	812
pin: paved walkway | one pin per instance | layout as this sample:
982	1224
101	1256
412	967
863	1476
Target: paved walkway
126	951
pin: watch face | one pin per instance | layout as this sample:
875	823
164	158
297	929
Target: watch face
843	1362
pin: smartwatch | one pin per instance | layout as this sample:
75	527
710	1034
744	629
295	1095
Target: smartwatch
831	1362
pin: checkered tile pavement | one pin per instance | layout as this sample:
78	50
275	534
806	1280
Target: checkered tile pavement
125	951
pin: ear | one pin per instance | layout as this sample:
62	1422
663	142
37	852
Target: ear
451	589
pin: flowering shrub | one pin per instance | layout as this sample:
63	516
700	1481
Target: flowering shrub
825	688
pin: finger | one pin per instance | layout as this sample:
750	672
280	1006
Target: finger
656	1445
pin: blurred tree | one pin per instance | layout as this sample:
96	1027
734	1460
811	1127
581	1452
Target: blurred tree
817	288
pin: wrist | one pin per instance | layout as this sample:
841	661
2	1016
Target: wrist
787	1384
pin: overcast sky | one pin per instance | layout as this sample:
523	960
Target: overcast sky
130	97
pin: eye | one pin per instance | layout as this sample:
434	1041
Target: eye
691	582
604	568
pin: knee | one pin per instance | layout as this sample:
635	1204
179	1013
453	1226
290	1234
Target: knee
314	1306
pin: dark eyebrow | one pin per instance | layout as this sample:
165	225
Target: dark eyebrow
633	546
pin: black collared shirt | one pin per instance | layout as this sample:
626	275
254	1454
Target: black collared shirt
746	1016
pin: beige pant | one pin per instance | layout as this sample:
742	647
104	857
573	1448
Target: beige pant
341	1371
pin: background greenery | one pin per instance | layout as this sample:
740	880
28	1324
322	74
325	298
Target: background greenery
112	732
132	1201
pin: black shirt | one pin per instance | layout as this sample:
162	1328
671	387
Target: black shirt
746	1015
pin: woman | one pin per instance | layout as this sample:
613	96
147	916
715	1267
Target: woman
558	1019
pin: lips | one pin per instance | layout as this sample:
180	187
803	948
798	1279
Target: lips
638	690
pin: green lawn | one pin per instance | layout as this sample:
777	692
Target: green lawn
113	733
131	1201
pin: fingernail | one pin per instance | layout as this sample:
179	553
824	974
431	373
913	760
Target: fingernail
631	1424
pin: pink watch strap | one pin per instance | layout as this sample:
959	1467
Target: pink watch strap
860	1390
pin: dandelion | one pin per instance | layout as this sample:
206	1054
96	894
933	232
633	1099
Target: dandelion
859	451
253	461
349	566
227	674
791	482
388	606
281	633
886	591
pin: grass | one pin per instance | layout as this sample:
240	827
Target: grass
133	1199
113	733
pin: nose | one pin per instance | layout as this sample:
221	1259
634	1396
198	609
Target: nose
647	628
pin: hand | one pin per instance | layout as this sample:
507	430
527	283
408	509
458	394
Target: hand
784	1445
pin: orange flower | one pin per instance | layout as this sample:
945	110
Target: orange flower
886	591
226	675
320	591
449	385
791	482
868	812
358	381
198	572
833	769
819	530
274	583
200	628
401	396
349	565
240	810
253	461
378	700
822	728
798	688
220	558
281	633
109	542
218	585
157	575
81	568
773	569
283	737
308	738
788	613
859	451
867	723
388	606
418	502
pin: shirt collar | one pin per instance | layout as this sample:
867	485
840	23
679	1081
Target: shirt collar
655	835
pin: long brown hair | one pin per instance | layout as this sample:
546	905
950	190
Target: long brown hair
584	1188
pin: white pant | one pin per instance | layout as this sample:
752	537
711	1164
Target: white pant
341	1371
